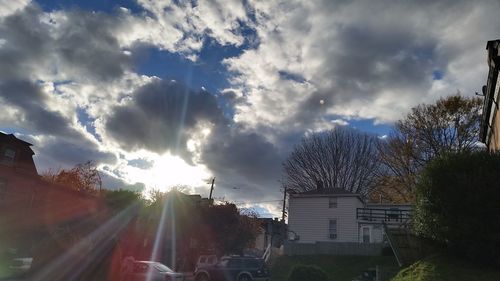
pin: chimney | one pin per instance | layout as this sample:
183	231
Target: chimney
319	185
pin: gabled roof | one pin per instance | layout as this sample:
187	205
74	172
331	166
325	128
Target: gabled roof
329	191
12	138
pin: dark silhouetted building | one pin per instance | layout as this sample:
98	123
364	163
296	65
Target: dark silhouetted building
490	125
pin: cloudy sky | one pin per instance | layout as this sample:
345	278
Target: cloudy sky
164	93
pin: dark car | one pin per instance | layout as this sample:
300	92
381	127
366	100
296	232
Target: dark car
234	268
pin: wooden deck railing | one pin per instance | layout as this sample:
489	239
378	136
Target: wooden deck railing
383	215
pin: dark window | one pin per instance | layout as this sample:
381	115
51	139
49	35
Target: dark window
333	229
223	263
140	268
211	260
332	202
252	263
235	263
3	190
9	155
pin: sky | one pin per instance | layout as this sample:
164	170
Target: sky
167	93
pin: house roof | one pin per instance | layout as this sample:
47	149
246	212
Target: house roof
327	192
12	138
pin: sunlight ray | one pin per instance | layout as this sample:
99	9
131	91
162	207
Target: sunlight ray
66	267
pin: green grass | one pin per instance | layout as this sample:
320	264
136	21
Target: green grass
4	268
444	268
338	268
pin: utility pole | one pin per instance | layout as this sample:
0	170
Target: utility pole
211	189
284	203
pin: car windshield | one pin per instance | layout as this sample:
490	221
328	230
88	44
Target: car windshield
162	267
223	262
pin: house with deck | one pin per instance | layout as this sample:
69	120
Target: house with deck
339	222
490	123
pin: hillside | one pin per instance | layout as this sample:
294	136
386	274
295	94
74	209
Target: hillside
338	268
444	268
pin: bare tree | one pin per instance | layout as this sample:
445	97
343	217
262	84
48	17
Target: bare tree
340	158
428	131
450	125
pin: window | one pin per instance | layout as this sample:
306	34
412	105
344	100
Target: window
3	190
9	155
252	263
140	267
333	229
223	262
332	202
235	263
161	267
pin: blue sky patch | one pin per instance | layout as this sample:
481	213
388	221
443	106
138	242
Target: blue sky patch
437	75
107	6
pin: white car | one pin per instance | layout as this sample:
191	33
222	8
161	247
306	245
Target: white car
20	265
206	260
152	271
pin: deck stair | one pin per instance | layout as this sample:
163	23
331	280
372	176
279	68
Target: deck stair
406	246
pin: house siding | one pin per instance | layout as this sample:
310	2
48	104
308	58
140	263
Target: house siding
309	218
494	143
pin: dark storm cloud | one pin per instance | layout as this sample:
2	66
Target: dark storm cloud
373	60
86	41
247	154
247	167
25	44
30	99
70	152
81	45
161	117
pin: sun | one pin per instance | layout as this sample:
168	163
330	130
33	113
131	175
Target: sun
167	171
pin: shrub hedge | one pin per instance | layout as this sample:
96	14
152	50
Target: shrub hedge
458	204
307	273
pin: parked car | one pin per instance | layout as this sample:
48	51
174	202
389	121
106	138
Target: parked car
205	261
234	268
151	271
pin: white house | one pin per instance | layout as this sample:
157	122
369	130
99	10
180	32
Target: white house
337	215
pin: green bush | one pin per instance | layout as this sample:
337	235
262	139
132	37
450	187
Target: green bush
307	273
458	204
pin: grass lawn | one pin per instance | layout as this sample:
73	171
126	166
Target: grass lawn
444	268
338	268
